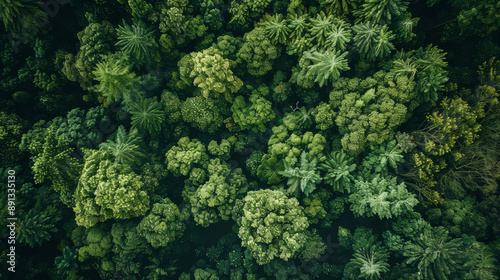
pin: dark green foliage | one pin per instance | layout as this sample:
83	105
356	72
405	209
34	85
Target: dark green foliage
22	15
11	129
95	40
378	161
53	162
147	115
380	11
435	255
36	227
66	264
201	113
137	41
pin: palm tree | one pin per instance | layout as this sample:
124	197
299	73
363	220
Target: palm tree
147	115
125	148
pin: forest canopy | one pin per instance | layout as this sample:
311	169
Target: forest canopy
240	139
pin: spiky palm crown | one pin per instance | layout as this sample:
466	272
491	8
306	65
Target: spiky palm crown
383	46
338	7
435	254
321	26
304	176
372	261
339	169
299	24
116	80
276	29
137	41
147	115
125	148
381	11
366	36
22	15
339	36
326	66
67	261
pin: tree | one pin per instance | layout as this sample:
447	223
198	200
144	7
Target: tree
306	176
253	116
95	40
381	197
147	115
339	171
162	225
11	129
211	72
108	191
116	82
37	226
66	264
54	162
435	254
378	161
214	199
371	260
188	154
258	52
321	67
22	15
381	12
339	36
373	41
276	29
202	113
137	42
272	225
125	149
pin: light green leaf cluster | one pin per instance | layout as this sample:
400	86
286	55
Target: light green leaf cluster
253	116
258	52
289	146
382	197
181	159
108	191
214	200
116	82
272	225
125	149
163	224
211	72
369	111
